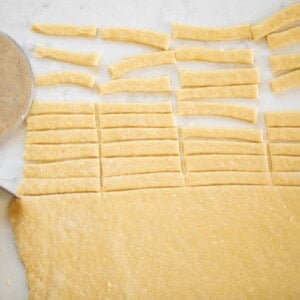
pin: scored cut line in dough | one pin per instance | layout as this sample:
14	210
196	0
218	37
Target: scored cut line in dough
284	38
139	148
219	92
292	149
228	177
142	36
218	109
251	135
115	108
220	147
137	165
142	181
137	120
44	186
285	62
43	107
136	85
66	30
78	58
239	56
285	163
61	77
42	122
219	162
65	169
283	119
189	32
286	178
69	136
131	134
283	134
277	21
141	61
60	152
221	77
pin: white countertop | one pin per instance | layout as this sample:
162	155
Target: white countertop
15	20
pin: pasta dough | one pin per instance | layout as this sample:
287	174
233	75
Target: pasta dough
285	62
284	38
286	178
285	82
284	134
284	148
285	163
283	118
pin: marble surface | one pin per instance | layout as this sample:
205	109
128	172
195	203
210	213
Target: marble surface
15	20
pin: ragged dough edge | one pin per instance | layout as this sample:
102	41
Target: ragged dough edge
60	152
183	31
283	119
222	77
285	62
139	148
228	177
192	147
277	21
251	135
43	107
283	134
218	109
141	61
286	178
59	121
285	163
136	85
137	165
239	56
147	37
68	136
133	134
80	168
133	107
78	58
143	181
249	91
284	38
220	162
61	77
137	120
44	186
292	149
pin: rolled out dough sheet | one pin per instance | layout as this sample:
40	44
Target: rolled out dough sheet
232	242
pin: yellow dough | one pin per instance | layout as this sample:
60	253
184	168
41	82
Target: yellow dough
219	147
117	166
65	169
277	21
286	178
220	162
249	91
139	148
68	136
283	118
221	77
141	61
142	36
189	32
118	108
284	38
78	58
72	77
66	30
284	148
238	56
137	120
250	135
44	186
285	82
285	163
60	152
227	177
141	181
284	134
130	245
134	134
136	85
217	109
285	62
